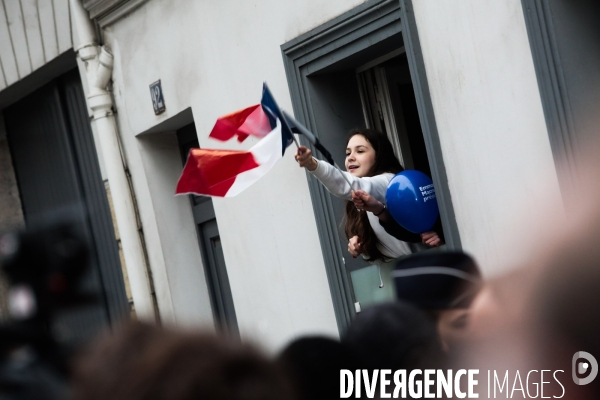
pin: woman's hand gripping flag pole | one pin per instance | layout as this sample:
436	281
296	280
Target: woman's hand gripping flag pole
297	127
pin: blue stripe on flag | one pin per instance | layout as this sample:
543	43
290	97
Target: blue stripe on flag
273	113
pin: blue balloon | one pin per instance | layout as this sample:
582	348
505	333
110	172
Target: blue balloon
411	201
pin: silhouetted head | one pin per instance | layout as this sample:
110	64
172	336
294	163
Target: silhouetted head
394	336
443	284
314	364
148	362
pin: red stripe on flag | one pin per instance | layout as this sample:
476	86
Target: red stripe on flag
257	124
243	123
212	172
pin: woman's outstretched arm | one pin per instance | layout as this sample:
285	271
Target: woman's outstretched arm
334	181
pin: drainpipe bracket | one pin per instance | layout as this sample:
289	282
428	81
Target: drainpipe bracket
102	114
99	101
87	51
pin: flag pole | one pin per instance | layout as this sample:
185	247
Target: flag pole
285	117
295	141
313	140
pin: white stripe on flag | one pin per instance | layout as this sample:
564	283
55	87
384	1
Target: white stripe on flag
266	153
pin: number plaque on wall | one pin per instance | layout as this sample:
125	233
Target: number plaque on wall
158	101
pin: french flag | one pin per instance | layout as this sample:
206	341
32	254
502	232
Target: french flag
226	173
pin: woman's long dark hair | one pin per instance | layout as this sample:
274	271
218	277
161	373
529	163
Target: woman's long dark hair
357	223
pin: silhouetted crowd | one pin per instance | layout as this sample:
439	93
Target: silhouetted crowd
530	333
445	318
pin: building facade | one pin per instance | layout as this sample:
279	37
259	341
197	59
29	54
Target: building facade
485	98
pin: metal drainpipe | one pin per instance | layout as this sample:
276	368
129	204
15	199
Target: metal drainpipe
99	65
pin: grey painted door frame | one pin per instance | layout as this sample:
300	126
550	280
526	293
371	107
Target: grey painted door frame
428	124
552	86
337	39
564	37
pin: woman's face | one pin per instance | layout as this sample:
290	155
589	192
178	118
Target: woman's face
360	156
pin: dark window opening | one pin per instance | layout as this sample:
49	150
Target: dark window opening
210	246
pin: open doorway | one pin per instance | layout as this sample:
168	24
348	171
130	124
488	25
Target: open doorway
390	106
59	181
360	70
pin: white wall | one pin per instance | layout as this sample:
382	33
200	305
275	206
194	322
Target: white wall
214	58
493	135
188	301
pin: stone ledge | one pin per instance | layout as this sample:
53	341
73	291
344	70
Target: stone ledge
105	12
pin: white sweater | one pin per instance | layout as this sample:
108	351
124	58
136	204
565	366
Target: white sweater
376	186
